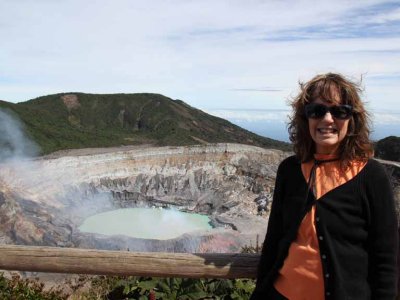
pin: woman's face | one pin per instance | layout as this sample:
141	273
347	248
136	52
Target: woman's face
328	132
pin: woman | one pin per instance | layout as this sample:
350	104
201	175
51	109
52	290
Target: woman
332	231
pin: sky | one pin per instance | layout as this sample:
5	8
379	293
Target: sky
234	59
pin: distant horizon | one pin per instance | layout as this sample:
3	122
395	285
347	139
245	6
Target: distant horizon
272	123
279	131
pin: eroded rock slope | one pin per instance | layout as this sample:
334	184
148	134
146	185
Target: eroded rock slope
44	201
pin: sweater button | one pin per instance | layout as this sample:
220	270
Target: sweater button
328	294
323	256
317	219
327	275
321	237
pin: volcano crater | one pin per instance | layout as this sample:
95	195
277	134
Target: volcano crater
44	201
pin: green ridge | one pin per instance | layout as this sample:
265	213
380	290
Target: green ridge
103	120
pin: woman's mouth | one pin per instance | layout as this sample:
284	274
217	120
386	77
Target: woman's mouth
327	130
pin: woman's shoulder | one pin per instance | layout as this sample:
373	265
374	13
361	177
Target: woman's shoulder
374	166
289	163
374	172
292	159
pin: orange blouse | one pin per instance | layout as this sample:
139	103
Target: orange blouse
301	275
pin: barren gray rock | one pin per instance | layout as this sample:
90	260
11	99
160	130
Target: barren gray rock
44	201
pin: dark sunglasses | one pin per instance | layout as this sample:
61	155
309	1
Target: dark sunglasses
318	111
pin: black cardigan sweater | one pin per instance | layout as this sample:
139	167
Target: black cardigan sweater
357	232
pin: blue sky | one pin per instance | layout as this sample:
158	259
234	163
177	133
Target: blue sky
220	56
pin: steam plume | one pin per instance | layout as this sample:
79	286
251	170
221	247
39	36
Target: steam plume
14	143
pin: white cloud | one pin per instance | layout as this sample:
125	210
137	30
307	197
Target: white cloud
381	118
252	116
197	51
394	15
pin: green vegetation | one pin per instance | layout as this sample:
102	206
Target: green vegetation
116	288
388	148
174	288
27	289
77	120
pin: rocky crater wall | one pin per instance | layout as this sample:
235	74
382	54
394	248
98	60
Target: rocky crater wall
44	201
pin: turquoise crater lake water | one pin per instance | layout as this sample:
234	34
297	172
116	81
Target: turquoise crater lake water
145	223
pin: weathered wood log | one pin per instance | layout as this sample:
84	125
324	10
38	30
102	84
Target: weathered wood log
102	262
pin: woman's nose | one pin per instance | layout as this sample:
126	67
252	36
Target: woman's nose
328	117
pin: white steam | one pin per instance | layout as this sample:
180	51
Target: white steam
41	181
14	143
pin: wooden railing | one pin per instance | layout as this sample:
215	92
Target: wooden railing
102	262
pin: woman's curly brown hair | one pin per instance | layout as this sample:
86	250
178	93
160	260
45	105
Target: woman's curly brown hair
356	144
